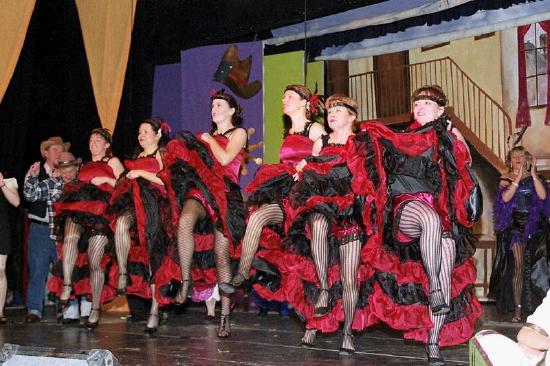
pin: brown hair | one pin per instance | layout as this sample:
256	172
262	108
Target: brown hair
304	93
431	92
157	124
106	134
350	104
336	100
237	117
302	90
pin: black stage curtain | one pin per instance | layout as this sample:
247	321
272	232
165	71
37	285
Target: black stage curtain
50	94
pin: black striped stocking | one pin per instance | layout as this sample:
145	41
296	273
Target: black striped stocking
319	251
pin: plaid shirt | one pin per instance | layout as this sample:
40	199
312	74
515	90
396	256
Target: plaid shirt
48	190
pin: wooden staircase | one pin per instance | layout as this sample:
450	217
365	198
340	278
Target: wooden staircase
482	121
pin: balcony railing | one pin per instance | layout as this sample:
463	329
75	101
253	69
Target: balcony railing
480	113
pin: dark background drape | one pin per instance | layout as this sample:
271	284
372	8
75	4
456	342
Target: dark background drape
51	94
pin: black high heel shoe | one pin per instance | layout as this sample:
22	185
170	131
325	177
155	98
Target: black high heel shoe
224	330
320	311
92	325
63	303
152	330
437	302
238	280
230	287
435	358
121	291
180	293
343	351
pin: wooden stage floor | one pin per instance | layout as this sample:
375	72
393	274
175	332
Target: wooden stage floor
186	339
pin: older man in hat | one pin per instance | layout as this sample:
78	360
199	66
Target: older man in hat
41	191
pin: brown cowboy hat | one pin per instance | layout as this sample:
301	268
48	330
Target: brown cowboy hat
67	159
56	140
234	73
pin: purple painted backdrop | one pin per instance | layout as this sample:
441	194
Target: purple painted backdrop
198	66
167	95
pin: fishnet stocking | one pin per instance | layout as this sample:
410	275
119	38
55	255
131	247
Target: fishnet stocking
267	214
72	234
192	211
223	268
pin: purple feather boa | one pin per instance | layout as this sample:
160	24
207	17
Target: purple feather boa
502	212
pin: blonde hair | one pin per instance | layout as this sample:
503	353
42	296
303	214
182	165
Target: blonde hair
519	148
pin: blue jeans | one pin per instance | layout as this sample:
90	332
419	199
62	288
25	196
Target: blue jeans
41	253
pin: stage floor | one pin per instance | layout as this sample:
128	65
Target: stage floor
187	339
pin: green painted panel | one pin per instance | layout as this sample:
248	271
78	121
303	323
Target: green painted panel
279	71
316	78
316	75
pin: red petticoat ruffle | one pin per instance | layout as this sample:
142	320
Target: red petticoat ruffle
267	173
169	273
300	270
90	213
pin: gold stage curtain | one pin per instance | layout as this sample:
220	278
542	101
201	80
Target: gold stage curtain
14	22
107	33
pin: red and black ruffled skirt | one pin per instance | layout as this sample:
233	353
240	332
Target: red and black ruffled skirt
150	234
325	188
85	204
384	172
192	173
271	185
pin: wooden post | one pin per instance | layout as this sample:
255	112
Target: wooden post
337	74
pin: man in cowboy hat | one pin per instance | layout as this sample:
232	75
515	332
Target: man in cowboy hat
41	191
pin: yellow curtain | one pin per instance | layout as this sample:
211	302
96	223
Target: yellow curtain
107	32
14	22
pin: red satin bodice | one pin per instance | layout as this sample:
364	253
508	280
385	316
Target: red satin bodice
295	148
233	169
148	163
95	169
